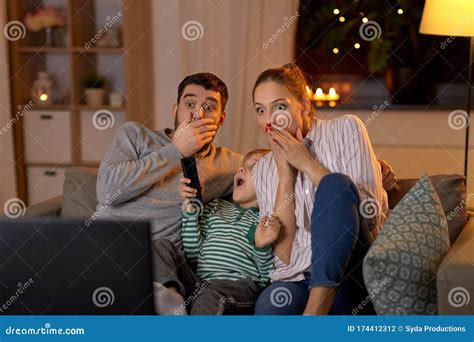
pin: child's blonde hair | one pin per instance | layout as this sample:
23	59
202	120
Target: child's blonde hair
258	151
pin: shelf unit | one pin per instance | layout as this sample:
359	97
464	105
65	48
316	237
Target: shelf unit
74	63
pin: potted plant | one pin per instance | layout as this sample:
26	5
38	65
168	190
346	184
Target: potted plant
94	91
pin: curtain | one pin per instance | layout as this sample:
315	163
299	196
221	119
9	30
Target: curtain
234	39
7	157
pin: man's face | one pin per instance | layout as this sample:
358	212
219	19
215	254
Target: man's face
198	103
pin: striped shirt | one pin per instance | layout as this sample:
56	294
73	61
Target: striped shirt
341	145
221	241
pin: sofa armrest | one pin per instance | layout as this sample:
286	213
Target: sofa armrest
51	207
455	278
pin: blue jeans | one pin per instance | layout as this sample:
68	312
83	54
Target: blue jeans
339	245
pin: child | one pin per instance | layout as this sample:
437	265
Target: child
231	248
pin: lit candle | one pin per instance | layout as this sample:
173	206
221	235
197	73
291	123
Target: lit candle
309	92
333	95
319	95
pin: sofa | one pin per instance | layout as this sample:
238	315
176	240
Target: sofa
455	271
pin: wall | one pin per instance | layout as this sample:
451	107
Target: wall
7	165
416	142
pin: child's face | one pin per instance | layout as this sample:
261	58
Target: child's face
244	191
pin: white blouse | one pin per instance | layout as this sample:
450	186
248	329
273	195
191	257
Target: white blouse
341	145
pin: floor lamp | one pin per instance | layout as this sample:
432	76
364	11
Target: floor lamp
454	18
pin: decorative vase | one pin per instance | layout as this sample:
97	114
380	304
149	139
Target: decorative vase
49	36
58	37
94	96
115	99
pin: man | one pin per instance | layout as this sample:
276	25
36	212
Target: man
139	174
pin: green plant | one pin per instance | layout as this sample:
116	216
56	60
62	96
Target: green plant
94	81
394	24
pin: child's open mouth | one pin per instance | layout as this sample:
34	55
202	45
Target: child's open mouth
239	182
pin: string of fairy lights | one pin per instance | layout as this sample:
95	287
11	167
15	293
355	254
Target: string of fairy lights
364	19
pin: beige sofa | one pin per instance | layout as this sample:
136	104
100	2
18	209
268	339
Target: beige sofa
455	271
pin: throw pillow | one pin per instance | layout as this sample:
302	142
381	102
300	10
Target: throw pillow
400	267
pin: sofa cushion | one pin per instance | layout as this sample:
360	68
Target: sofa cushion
451	190
400	267
79	192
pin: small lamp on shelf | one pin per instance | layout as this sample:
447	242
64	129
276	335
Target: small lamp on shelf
41	91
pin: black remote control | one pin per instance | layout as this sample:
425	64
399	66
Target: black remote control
190	171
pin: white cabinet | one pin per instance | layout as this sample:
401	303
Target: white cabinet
97	132
44	183
47	136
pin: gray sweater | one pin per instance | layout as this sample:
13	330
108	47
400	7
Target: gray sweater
139	178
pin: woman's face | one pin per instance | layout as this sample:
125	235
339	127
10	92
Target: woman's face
275	105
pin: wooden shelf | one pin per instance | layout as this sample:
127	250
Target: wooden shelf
99	50
26	59
51	165
66	49
106	107
44	49
55	165
51	107
77	107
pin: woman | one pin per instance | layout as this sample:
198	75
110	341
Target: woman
325	173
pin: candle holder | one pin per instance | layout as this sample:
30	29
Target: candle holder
320	98
41	91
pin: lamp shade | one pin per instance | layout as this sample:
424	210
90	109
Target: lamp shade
448	18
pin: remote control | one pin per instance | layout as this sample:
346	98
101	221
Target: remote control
190	171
